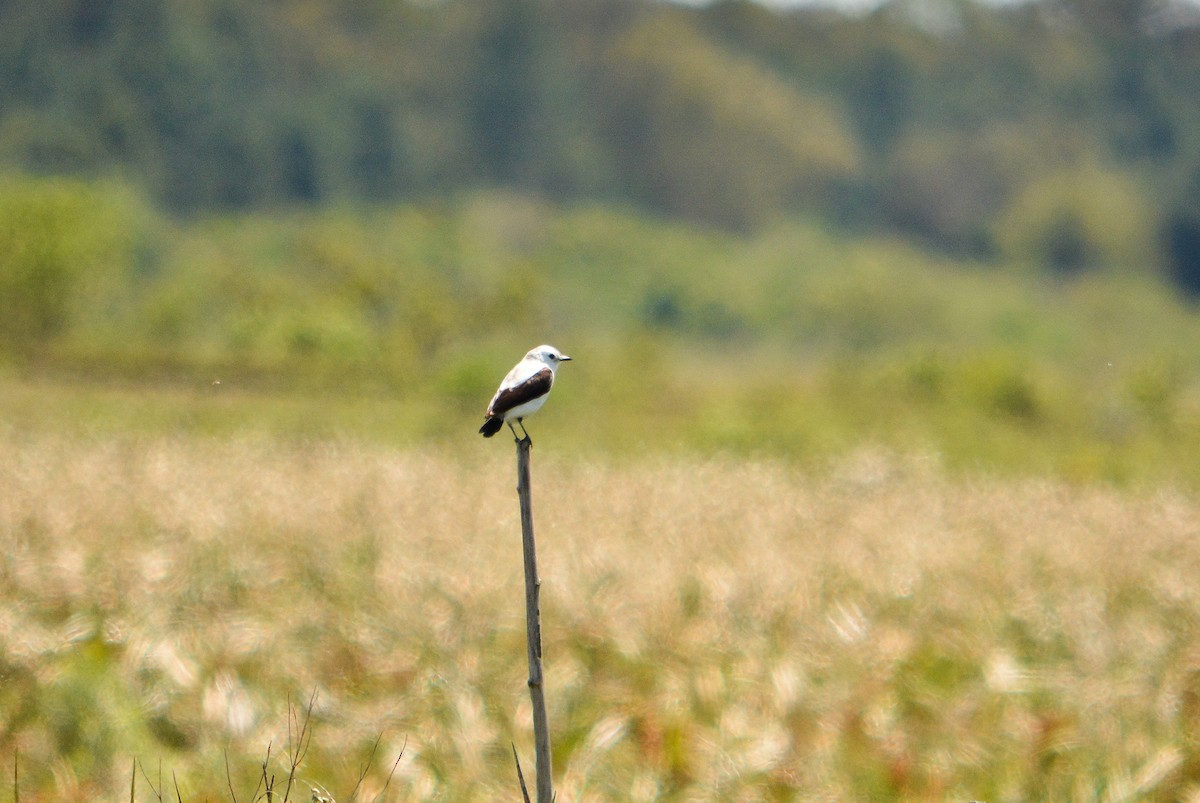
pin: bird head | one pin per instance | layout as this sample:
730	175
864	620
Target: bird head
548	355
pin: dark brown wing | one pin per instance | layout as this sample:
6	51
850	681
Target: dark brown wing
533	387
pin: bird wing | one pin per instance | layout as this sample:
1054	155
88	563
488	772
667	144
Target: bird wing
512	395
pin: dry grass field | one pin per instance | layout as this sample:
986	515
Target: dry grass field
715	630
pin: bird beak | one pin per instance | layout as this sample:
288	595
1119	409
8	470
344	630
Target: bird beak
563	358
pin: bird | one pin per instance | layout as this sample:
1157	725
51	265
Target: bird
523	391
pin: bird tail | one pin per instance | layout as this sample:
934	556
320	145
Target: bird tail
491	427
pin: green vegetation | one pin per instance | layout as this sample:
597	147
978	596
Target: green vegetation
951	122
395	321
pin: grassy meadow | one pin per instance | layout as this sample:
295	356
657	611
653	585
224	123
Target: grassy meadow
715	628
884	525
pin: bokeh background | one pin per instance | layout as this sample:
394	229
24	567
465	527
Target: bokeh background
936	257
949	223
968	227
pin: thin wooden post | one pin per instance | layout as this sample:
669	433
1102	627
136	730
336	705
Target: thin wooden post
533	628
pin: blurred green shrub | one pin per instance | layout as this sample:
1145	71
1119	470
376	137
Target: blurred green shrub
1155	390
1082	219
1003	386
67	253
746	154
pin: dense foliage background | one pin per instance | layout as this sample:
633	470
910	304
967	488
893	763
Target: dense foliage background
1062	131
941	225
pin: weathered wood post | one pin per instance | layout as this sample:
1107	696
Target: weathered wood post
533	628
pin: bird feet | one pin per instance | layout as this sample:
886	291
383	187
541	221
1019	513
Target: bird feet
526	439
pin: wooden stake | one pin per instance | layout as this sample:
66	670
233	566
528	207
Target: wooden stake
533	627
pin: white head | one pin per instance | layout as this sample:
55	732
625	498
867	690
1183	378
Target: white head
548	355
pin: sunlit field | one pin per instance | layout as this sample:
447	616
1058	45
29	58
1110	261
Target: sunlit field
714	629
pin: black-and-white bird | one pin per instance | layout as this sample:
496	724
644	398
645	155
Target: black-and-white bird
523	391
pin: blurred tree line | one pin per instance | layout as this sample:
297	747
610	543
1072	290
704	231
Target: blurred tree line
1064	133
